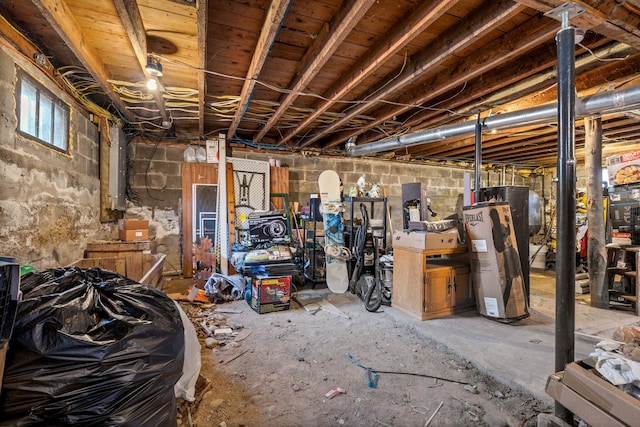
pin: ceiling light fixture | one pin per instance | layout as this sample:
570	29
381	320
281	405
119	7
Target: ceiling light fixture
154	68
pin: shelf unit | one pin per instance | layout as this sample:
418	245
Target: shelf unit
313	250
623	261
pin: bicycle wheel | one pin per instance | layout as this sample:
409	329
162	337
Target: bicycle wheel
373	297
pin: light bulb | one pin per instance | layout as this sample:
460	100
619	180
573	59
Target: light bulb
152	84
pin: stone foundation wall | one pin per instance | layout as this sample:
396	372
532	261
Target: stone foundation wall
49	201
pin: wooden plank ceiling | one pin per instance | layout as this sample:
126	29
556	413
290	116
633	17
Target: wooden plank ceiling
306	76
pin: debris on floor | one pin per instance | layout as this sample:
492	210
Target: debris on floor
334	392
630	337
219	335
217	288
313	302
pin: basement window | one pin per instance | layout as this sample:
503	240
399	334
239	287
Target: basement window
41	115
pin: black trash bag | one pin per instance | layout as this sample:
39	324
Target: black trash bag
91	347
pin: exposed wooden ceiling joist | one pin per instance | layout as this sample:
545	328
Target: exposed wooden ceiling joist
508	47
350	14
132	21
334	69
202	22
603	17
272	23
484	21
66	26
412	26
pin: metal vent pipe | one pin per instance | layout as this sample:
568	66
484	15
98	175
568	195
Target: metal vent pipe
592	105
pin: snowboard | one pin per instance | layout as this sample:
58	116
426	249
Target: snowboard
336	254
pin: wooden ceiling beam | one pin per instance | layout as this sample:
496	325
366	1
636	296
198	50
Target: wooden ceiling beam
133	25
606	17
64	23
413	25
350	14
508	47
202	20
589	67
490	141
480	23
586	83
18	40
591	79
272	22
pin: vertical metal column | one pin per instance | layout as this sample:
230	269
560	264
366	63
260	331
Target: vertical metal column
566	210
478	161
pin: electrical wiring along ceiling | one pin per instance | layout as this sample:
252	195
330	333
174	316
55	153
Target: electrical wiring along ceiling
306	76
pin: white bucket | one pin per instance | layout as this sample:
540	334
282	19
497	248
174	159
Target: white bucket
540	252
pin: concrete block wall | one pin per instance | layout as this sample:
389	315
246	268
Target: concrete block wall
155	185
49	201
444	184
155	193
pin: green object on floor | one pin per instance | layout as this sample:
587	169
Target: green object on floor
24	269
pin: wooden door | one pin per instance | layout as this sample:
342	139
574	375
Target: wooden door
438	289
193	174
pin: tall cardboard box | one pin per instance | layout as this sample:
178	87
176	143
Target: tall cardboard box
495	263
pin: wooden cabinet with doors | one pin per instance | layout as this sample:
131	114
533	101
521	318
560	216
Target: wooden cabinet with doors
427	287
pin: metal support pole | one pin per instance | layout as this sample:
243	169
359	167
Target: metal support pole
478	161
566	211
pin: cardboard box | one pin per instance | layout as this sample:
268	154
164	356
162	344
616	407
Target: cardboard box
619	238
624	168
584	379
133	229
269	226
578	404
426	239
495	263
270	294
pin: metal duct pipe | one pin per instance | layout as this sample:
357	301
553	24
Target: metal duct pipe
593	105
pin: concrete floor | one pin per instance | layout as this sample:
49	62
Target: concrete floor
521	354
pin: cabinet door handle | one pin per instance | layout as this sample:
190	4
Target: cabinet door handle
448	285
